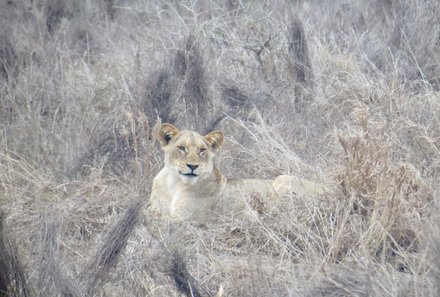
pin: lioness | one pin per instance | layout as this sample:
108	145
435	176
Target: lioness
190	187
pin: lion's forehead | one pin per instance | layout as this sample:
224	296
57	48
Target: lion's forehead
190	139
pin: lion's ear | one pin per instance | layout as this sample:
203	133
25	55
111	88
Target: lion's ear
166	133
215	139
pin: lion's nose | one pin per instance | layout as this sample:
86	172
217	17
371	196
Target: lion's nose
191	166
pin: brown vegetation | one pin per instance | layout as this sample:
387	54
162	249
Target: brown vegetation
346	93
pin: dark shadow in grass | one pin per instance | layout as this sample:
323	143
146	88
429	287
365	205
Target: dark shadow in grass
12	275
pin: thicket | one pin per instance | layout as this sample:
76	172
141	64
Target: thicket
344	93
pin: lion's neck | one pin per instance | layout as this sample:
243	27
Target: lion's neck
204	192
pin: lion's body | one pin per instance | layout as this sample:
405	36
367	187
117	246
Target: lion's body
219	195
189	187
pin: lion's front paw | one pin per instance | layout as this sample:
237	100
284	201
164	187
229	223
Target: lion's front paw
154	210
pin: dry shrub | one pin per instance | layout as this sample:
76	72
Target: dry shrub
240	101
97	272
267	148
54	11
231	258
413	23
422	145
158	97
254	276
234	6
300	63
121	147
53	272
110	8
178	93
71	94
66	218
303	225
8	58
433	255
387	196
13	279
185	282
190	73
356	279
235	97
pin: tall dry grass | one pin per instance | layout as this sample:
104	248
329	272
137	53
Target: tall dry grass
342	93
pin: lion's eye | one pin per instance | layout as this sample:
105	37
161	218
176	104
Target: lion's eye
202	150
181	149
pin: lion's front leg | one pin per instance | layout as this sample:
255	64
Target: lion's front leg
191	208
181	208
158	204
154	206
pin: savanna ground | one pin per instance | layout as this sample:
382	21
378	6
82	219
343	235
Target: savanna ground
342	92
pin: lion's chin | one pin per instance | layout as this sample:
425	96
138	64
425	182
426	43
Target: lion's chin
188	178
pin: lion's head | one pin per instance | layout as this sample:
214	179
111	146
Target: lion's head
187	153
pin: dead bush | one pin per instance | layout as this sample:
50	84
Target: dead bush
387	195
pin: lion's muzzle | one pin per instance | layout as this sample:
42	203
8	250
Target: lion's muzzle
192	173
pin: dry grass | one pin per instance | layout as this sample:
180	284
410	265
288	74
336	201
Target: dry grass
344	93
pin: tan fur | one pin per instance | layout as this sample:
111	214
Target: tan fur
180	192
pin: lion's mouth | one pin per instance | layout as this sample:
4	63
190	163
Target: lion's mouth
191	174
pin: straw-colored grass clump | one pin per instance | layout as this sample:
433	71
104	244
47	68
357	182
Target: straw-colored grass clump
345	94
